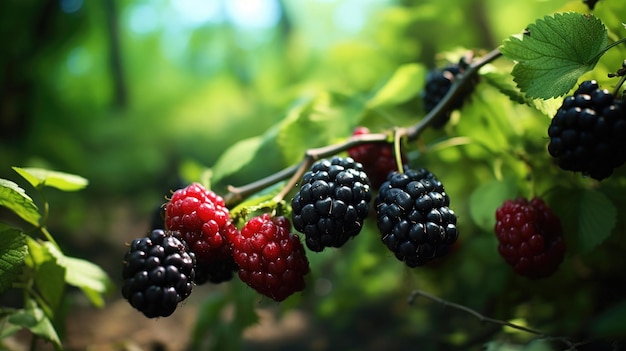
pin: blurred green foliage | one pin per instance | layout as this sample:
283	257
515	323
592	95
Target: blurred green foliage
140	96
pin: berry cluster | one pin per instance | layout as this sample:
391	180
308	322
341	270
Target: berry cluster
200	244
588	132
530	237
158	271
332	202
413	216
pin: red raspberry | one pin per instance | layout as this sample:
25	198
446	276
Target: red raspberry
377	158
203	220
271	260
530	237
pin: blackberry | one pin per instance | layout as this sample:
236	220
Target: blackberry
203	221
530	237
271	259
590	3
414	218
377	158
438	83
332	202
158	271
588	132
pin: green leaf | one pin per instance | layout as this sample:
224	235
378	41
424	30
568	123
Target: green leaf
557	52
612	322
405	83
48	274
15	199
42	177
50	283
504	83
87	276
319	122
236	157
34	319
597	217
13	252
209	314
485	199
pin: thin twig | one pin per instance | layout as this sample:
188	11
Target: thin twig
417	293
455	91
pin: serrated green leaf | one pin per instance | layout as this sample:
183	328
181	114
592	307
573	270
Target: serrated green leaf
487	198
235	157
596	218
87	276
42	177
15	199
13	252
405	83
557	52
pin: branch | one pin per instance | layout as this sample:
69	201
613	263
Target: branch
417	293
237	194
453	93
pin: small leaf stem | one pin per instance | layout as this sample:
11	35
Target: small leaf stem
44	216
607	48
237	194
619	84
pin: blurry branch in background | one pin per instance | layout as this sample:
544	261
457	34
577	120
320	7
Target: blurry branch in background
420	293
120	92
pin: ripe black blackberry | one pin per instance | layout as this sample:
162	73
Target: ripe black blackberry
414	217
438	82
158	271
332	202
588	132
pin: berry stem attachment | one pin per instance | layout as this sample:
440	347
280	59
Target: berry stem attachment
621	81
295	178
397	150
